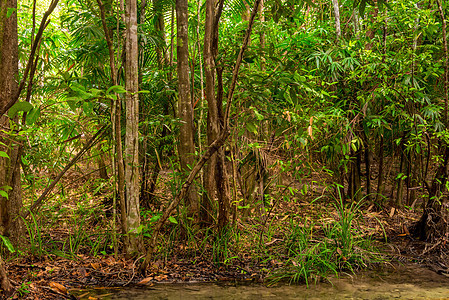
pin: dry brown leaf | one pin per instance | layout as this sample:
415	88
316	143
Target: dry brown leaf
392	212
95	265
161	277
309	131
145	281
58	287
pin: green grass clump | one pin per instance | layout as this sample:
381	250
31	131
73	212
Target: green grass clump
315	252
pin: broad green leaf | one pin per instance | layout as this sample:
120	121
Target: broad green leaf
33	115
4	194
251	127
172	220
8	244
72	103
88	108
19	106
116	89
95	92
3	154
155	218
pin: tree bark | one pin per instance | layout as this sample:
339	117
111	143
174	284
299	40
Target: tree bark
186	146
10	224
134	239
213	129
336	7
446	62
5	285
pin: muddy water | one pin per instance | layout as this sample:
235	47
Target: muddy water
411	282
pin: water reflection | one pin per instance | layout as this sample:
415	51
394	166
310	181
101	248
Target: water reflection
402	283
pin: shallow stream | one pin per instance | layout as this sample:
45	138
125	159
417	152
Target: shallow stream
411	282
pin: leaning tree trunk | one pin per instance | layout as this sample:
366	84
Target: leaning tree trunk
134	239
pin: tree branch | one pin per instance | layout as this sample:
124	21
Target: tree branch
89	144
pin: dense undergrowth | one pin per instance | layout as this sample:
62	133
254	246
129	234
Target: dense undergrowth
299	241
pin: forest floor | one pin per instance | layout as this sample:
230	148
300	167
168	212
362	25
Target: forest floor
69	248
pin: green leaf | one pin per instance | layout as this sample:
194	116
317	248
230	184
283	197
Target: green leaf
4	154
143	92
172	220
155	218
33	115
116	89
258	115
19	106
95	92
10	11
8	244
251	127
4	194
88	108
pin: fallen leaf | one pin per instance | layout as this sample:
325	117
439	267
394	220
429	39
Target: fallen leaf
392	212
145	281
58	287
95	265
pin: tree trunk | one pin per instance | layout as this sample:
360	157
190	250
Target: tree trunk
446	62
10	224
5	285
380	178
134	239
370	33
186	146
213	129
117	149
432	225
336	7
262	40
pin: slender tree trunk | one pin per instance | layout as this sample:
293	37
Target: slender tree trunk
367	166
134	240
213	129
117	149
262	35
371	33
380	178
186	146
446	62
336	7
356	22
400	192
